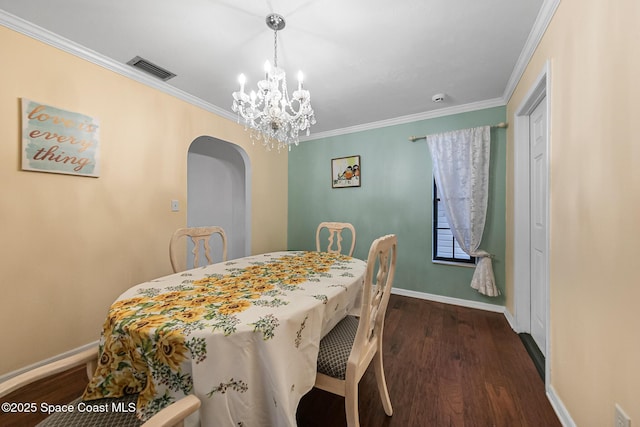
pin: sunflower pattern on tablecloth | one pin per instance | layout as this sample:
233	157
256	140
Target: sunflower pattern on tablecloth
146	338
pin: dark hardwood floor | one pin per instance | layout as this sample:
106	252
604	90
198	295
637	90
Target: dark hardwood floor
445	366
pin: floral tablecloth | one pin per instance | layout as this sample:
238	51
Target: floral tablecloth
242	335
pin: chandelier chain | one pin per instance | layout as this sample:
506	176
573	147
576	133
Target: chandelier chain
275	48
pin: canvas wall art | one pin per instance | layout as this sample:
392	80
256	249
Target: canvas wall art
59	141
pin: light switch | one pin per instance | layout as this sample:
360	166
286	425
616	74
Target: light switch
175	206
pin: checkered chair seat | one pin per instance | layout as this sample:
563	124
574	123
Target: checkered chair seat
335	348
112	412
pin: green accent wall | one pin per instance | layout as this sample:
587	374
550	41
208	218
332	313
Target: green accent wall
395	197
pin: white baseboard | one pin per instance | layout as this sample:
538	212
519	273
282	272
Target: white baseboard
558	406
511	320
450	300
77	350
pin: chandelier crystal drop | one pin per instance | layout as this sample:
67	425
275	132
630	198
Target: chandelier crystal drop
270	115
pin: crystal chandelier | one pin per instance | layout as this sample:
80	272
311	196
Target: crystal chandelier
270	116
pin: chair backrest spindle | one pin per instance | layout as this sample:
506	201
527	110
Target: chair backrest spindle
197	235
335	236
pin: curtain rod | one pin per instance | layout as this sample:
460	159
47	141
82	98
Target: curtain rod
500	125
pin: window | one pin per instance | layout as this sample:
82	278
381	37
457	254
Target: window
445	246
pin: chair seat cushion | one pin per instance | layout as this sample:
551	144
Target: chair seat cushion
335	348
107	412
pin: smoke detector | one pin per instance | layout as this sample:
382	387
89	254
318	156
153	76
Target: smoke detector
438	97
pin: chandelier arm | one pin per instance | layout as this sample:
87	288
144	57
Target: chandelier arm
292	112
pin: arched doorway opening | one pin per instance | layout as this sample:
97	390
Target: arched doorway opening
219	193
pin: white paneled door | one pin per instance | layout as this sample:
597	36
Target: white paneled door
538	224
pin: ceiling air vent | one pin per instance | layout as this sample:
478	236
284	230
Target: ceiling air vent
151	68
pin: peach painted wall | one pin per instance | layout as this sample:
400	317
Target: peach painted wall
594	50
71	245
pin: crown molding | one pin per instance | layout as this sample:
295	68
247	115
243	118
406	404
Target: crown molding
38	33
442	112
31	30
543	20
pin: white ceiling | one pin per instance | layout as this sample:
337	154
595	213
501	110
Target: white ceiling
365	61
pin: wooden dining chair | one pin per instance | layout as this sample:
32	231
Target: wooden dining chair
197	235
171	416
335	232
348	349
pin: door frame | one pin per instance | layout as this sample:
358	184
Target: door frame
521	205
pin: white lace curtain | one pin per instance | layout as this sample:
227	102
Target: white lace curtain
461	170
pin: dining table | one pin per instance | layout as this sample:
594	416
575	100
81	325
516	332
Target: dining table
242	335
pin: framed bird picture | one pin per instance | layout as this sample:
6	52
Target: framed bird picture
346	172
